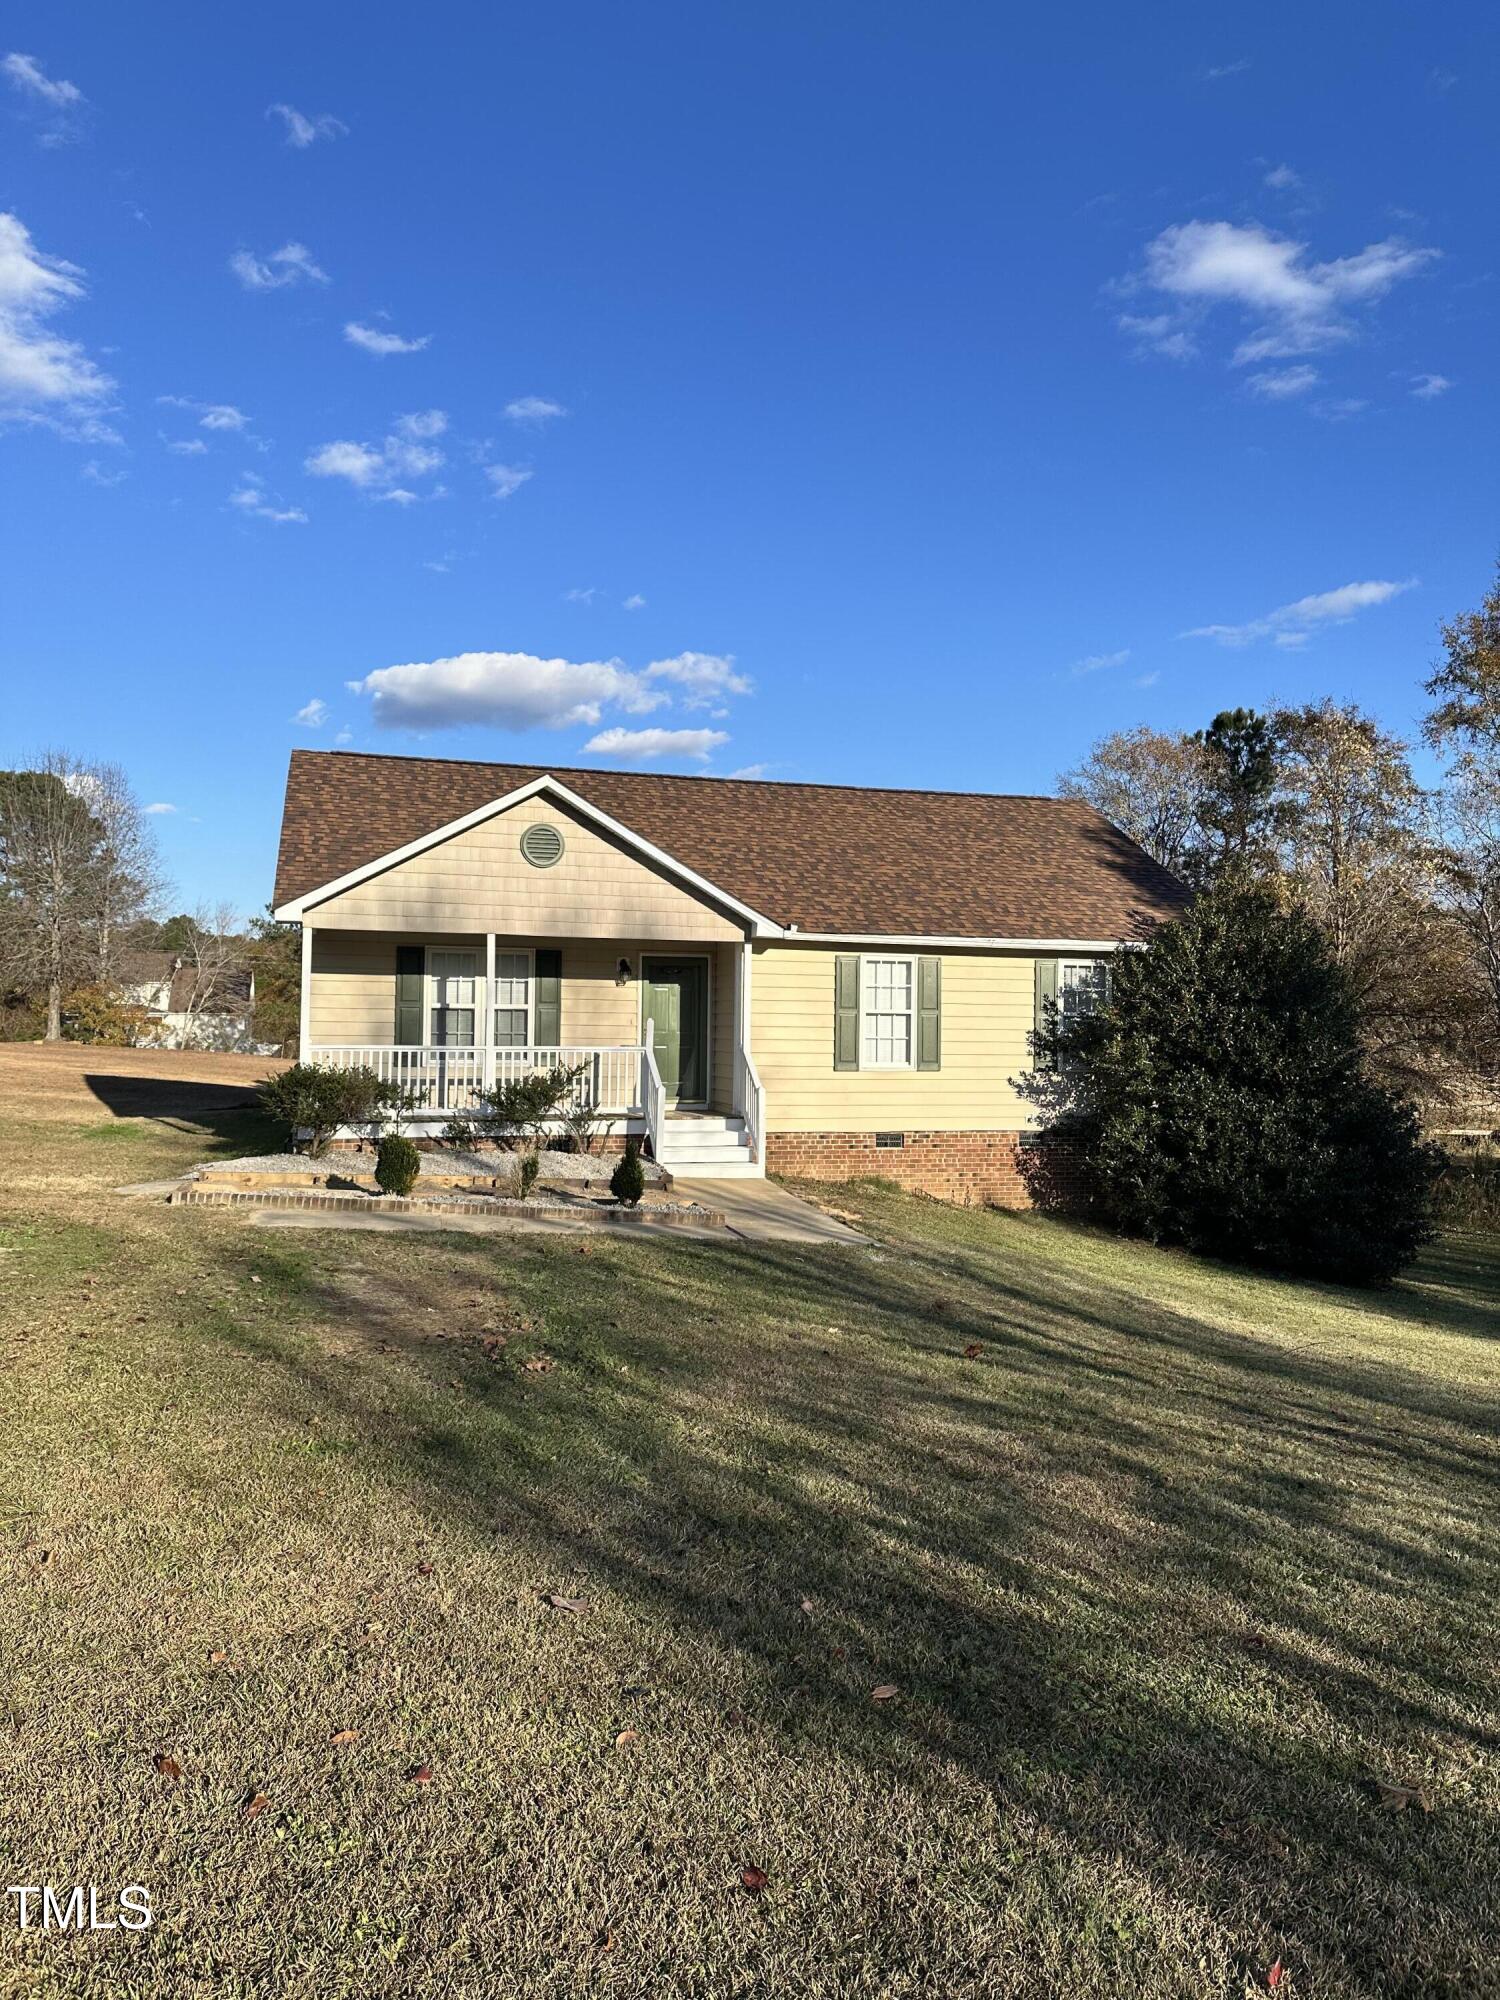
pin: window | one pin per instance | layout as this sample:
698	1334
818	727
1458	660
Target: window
452	977
1082	987
887	988
512	999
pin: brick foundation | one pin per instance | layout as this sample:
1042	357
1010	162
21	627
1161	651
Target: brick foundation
995	1169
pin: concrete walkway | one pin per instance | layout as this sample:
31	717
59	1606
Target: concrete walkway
762	1212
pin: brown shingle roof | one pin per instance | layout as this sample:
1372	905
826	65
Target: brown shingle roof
823	857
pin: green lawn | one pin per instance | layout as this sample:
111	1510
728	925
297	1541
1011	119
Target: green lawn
1167	1577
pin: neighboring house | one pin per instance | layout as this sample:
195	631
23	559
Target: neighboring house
166	986
812	979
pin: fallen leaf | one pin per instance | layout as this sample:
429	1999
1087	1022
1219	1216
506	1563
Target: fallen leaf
627	1736
1396	1798
539	1364
807	1606
604	1940
424	1569
255	1805
420	1774
344	1736
567	1603
887	1691
1274	1975
218	1657
168	1766
973	1351
754	1879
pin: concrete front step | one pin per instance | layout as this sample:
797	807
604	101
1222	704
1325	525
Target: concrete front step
710	1145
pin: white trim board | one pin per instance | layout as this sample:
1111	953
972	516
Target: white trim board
921	941
296	911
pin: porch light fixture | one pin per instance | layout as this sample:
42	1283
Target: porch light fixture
623	973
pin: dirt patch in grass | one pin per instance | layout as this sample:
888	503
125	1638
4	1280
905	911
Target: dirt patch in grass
1167	1569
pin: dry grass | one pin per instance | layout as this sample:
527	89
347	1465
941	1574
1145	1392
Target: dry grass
1167	1576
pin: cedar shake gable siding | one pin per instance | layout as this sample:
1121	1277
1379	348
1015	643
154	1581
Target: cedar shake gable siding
826	858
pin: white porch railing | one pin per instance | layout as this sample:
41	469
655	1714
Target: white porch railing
453	1080
653	1092
750	1095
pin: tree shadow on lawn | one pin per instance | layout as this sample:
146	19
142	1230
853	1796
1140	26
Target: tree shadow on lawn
1172	1593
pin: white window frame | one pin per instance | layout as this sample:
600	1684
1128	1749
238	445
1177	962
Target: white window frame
910	961
430	991
528	952
1094	966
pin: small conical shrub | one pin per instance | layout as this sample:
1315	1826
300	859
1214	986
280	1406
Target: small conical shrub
628	1181
397	1165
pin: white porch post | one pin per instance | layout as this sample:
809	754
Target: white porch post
487	1040
742	1019
304	1017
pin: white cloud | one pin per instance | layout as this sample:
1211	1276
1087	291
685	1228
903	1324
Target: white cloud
407	452
28	76
37	368
1160	331
374	341
749	771
251	498
1147	680
344	736
1094	663
97	475
1425	387
635	602
1297	307
506	479
581	596
704	678
1283	178
312	714
534	410
1280	383
642	745
1288	624
185	447
303	131
290	265
504	690
1219	70
161	806
211	416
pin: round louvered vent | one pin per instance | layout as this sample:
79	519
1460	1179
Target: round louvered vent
542	845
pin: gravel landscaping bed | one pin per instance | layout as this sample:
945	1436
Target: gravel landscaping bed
450	1164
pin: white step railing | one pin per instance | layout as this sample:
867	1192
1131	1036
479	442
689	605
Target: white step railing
752	1098
453	1080
653	1092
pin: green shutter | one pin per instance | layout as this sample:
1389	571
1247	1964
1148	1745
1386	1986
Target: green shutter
929	1013
846	1011
411	969
547	1013
1046	1000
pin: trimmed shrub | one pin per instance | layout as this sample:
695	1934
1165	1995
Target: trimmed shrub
628	1181
526	1173
397	1165
519	1109
1222	1102
310	1099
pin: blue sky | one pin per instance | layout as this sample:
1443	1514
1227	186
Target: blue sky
875	394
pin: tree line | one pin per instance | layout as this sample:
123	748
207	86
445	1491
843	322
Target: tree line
82	893
1320	805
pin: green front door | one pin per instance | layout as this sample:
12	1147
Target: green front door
675	1001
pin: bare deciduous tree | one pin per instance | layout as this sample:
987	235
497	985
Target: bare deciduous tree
214	954
1149	785
77	864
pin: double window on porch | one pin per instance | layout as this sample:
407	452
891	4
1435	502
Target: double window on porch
454	999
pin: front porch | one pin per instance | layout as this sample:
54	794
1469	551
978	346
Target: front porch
655	1033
